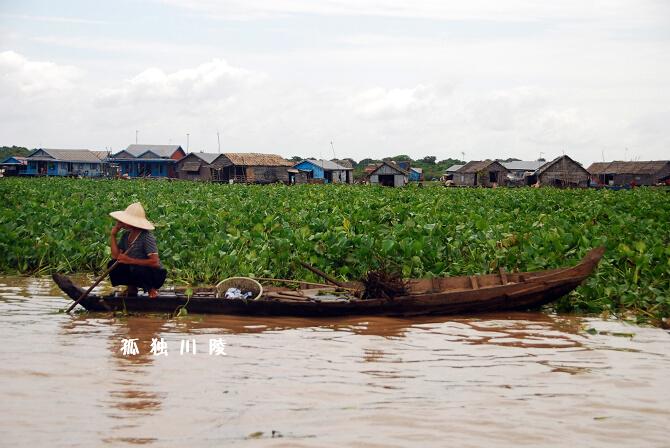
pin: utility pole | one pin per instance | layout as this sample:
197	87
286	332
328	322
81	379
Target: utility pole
463	155
136	132
218	139
187	142
333	148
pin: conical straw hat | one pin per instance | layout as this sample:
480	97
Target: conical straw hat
134	216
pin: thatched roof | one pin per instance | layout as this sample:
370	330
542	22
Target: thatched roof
391	165
619	167
548	165
343	162
256	159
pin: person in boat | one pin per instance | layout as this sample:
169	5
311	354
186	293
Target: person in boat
136	252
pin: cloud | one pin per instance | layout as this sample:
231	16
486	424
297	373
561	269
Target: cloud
54	19
633	12
212	81
380	103
25	78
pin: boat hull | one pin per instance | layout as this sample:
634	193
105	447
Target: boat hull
427	297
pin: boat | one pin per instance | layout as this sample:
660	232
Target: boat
499	292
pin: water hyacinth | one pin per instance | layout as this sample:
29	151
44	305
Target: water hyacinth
207	232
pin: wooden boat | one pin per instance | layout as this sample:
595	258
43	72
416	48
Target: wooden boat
436	296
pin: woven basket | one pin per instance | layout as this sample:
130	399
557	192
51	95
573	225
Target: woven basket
245	284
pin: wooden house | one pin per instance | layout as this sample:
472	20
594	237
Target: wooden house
250	167
13	166
625	173
486	173
63	162
561	172
389	174
326	171
197	166
148	160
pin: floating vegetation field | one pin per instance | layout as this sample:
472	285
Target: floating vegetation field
207	232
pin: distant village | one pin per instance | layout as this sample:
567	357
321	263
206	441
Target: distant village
172	162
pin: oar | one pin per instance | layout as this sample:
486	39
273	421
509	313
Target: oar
88	291
322	274
101	278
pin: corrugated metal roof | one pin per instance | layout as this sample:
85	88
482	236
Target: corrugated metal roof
256	159
619	167
522	165
476	166
418	170
160	150
454	168
102	155
67	155
326	164
19	160
207	157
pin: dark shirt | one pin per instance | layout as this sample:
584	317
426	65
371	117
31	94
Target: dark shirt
144	245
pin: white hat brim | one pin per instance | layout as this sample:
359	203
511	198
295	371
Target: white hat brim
132	220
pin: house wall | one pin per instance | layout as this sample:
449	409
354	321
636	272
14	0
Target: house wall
642	179
466	179
137	167
565	173
59	168
399	180
317	171
267	174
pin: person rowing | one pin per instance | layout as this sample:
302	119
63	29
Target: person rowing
137	253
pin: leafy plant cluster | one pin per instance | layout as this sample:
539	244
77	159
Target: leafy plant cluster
207	232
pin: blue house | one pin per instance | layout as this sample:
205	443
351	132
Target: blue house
148	160
13	166
327	170
63	162
415	174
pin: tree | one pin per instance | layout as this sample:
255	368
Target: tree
400	158
296	159
429	159
8	151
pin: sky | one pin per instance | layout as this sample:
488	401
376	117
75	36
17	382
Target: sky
469	79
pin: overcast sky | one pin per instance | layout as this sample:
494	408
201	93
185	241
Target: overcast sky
487	78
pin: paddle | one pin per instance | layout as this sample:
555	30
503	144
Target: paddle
101	278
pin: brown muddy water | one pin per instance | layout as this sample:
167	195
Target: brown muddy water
523	379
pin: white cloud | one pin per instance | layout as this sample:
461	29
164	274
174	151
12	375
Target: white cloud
22	77
627	11
212	81
380	103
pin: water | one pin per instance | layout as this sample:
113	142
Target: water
523	379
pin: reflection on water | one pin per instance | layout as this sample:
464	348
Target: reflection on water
516	379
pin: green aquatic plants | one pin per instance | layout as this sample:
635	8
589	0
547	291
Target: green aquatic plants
207	232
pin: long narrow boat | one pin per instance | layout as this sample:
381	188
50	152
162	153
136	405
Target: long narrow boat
435	296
